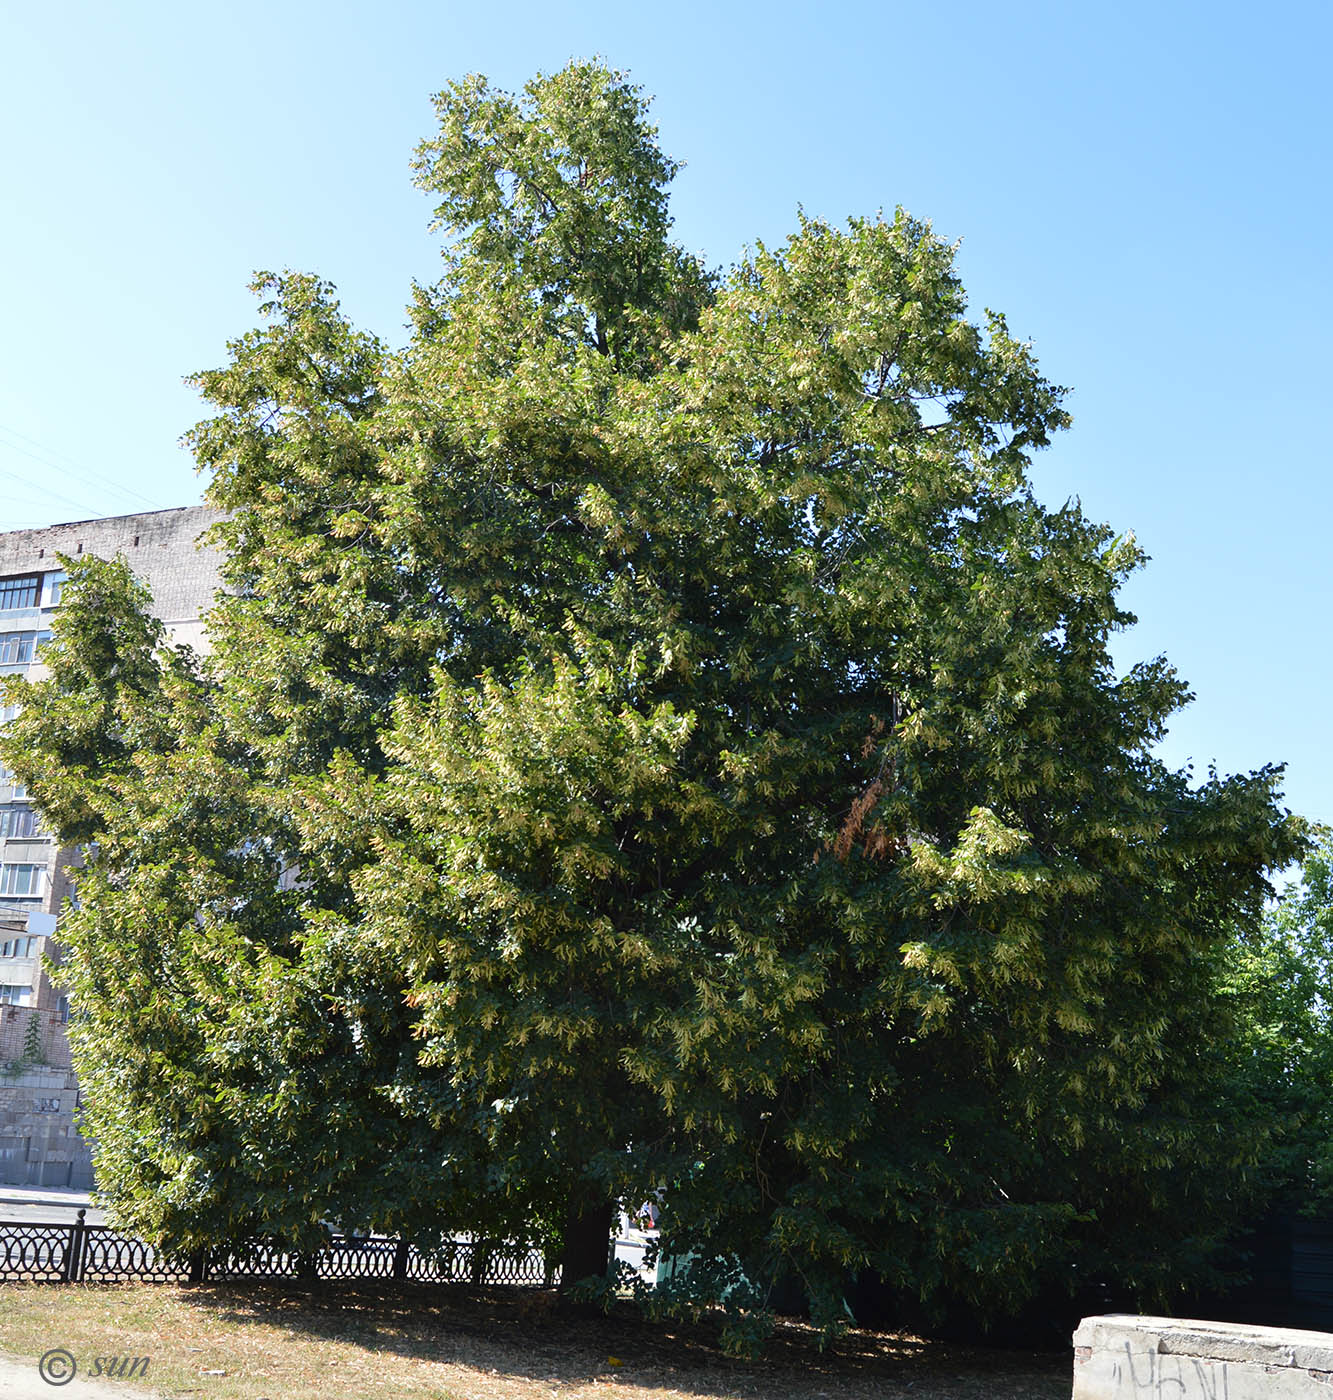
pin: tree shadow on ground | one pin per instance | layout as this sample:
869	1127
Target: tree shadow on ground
529	1335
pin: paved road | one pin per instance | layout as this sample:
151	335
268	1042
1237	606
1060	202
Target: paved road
19	1380
45	1205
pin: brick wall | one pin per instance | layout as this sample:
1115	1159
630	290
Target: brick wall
14	1032
161	546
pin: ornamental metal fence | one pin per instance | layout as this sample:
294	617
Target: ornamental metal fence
83	1253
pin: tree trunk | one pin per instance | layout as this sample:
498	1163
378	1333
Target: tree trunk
587	1239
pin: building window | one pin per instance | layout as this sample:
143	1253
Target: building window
10	995
20	592
16	648
18	822
55	586
10	789
18	947
21	879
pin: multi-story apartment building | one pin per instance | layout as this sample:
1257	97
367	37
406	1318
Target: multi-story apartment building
39	1142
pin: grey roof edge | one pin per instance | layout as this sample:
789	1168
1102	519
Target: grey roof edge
111	519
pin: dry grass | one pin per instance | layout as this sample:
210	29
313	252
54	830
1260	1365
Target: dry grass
349	1342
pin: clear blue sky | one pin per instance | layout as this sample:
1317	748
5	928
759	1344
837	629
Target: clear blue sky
1143	188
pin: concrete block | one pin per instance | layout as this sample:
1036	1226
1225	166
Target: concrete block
1126	1357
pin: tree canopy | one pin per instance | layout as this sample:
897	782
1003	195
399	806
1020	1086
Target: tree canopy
653	741
1277	982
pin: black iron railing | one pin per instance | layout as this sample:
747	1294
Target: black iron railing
83	1253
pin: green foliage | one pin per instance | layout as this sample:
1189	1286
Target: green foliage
654	739
1278	982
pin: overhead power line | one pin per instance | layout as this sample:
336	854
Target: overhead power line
47	491
85	476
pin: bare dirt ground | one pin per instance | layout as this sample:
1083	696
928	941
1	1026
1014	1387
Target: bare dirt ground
347	1342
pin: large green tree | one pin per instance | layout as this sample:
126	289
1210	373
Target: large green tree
1277	982
654	740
